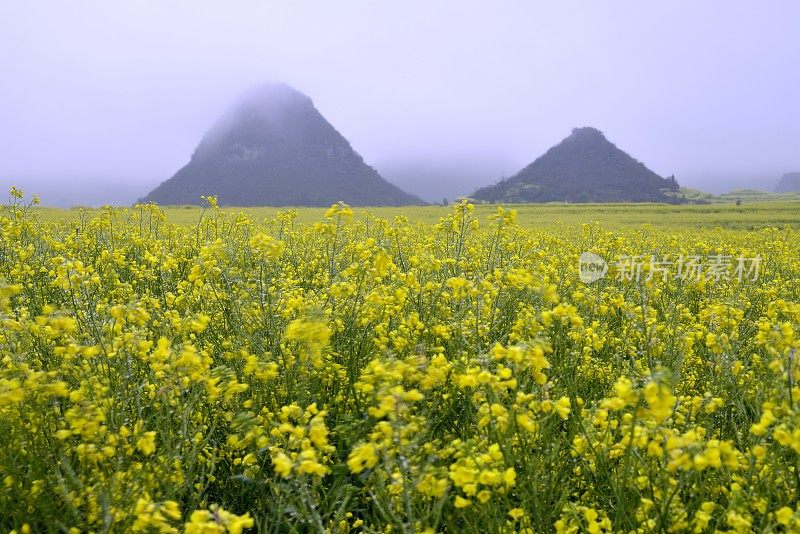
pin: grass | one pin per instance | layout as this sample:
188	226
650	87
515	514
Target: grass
749	215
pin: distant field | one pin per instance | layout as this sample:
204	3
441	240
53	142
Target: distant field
747	216
744	195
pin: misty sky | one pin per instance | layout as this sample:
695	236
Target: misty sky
101	101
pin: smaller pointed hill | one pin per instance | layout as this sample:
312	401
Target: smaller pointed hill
273	148
584	167
789	183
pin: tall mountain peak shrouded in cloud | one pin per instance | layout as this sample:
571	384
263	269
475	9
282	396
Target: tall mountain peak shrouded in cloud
790	182
584	167
273	148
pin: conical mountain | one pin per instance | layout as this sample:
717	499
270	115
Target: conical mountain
273	148
584	167
790	182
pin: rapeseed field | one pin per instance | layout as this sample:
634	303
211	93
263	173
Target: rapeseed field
376	374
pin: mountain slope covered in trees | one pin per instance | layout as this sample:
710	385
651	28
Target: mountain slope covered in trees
584	167
273	148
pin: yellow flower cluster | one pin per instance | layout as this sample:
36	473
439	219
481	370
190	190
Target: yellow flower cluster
361	374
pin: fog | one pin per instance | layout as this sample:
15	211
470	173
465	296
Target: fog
101	101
